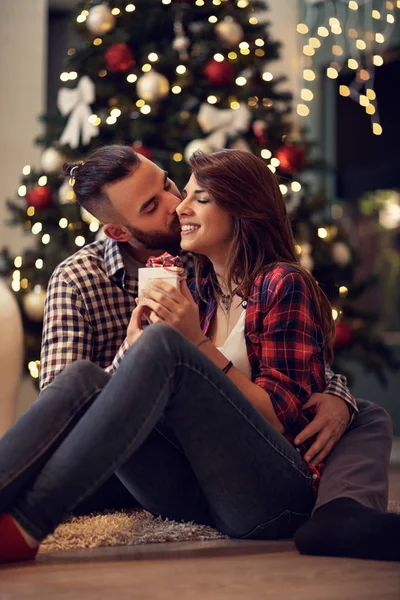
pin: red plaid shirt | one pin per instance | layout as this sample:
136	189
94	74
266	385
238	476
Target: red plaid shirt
284	345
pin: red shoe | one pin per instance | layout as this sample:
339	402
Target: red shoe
13	546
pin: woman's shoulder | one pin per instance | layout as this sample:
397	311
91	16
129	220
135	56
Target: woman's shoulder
280	279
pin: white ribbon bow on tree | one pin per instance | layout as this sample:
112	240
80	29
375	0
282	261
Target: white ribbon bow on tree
224	123
77	102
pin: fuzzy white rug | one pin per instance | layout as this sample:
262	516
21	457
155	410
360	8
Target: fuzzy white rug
130	529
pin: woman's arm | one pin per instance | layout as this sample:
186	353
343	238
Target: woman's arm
257	396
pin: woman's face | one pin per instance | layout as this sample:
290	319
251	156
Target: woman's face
205	227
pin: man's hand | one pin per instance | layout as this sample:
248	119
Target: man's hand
135	328
329	424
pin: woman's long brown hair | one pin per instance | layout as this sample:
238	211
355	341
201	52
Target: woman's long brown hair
244	186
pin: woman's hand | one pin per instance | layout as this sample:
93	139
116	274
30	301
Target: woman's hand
173	307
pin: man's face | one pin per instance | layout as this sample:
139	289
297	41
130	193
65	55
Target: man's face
146	202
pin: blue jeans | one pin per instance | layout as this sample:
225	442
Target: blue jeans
177	432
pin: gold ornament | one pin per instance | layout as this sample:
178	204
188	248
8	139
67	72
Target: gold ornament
152	86
100	19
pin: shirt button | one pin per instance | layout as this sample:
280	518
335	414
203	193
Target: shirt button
314	476
244	304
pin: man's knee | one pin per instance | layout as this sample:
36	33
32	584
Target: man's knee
373	414
85	369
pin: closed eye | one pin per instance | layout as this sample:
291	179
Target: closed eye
202	200
153	209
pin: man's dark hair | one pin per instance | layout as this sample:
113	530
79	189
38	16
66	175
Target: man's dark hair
106	165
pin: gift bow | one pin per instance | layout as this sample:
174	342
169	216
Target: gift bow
77	102
224	123
165	260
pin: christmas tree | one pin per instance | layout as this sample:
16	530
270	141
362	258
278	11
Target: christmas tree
169	77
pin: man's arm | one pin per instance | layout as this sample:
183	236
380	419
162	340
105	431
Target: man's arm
67	333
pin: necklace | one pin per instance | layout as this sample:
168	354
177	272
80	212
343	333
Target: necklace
226	300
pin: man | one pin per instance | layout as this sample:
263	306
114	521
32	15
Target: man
90	299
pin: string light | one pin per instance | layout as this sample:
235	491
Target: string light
177	157
303	110
131	78
39	264
80	240
218	57
335	314
130	7
322	233
296	186
18	262
265	153
267	76
26	170
37	228
22	191
212	99
33	367
306	95
344	90
176	89
302	28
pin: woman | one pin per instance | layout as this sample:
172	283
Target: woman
199	419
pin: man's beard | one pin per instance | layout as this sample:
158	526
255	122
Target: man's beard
170	241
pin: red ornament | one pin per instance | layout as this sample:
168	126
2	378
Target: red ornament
219	73
119	58
344	336
40	197
143	150
291	157
259	130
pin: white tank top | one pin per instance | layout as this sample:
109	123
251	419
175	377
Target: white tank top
234	348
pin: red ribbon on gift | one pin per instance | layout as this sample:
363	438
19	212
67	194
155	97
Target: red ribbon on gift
165	260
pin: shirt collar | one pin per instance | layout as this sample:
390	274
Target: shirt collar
113	261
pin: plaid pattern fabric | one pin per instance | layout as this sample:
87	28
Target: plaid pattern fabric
89	302
284	347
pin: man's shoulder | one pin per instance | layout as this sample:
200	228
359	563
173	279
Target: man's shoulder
87	261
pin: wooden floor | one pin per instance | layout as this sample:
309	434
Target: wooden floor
219	570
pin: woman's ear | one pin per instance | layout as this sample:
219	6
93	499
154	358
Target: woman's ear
117	232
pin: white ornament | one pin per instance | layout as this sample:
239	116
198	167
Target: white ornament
223	123
100	19
194	145
181	43
229	32
341	253
33	303
66	194
152	86
77	102
52	161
